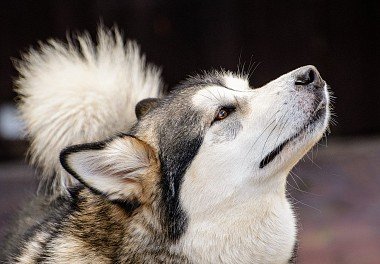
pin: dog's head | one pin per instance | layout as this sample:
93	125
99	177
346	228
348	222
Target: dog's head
213	140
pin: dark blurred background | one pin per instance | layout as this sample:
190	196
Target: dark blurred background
337	193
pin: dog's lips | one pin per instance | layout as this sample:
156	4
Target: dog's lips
319	112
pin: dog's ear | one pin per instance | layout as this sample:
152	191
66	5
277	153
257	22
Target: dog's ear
144	106
115	168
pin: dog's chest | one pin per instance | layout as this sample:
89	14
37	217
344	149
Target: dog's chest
248	238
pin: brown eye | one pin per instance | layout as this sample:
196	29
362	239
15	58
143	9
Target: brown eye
223	113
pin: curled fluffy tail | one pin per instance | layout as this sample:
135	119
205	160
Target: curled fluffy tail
75	93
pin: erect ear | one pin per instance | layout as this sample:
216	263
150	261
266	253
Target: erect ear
144	106
116	168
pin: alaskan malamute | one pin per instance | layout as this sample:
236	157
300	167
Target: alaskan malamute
132	176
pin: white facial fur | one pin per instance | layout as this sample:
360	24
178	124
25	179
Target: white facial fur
231	200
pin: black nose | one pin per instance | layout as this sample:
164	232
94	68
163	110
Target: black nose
308	76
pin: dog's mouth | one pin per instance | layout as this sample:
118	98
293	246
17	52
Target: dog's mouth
317	115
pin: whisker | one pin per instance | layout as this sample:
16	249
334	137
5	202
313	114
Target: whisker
294	174
272	132
213	95
272	119
207	97
257	65
300	202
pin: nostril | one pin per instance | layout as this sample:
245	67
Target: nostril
306	78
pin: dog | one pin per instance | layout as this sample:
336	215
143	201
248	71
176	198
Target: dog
132	176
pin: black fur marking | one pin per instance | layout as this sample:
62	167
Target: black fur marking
127	205
45	254
179	145
268	158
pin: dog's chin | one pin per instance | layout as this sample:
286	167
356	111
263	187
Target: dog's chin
301	141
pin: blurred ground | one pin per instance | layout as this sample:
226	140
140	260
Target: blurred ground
338	205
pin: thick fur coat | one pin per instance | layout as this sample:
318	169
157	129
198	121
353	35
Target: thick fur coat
196	176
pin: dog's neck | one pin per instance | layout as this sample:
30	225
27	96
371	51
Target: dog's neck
260	229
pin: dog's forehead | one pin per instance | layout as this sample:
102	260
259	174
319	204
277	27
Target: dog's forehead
235	82
198	93
230	89
217	78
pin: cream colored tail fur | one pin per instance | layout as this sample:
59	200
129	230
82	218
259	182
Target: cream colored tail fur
72	94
